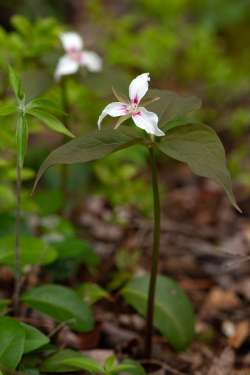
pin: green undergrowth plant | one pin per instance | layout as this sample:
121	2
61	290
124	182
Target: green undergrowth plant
39	108
71	361
28	349
171	129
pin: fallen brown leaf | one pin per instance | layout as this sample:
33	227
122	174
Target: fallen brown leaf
242	331
219	299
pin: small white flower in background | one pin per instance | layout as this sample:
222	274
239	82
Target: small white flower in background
76	56
125	109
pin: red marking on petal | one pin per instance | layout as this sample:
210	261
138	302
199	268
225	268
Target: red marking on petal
135	100
72	50
138	113
124	108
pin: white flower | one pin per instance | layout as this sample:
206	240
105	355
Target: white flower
76	56
125	109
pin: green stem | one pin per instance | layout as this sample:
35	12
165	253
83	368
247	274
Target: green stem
16	295
65	100
66	109
155	257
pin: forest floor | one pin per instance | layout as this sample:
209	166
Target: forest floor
205	247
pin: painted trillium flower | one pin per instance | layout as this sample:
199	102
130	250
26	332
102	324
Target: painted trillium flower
76	56
131	107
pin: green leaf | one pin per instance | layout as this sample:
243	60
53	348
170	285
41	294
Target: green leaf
137	368
171	105
22	24
45	105
56	362
112	367
123	368
92	293
7	109
33	251
110	363
173	314
180	121
62	304
90	147
21	137
12	338
15	83
34	339
84	363
51	121
200	147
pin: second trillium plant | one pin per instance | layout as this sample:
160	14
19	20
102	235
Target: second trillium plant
180	137
76	56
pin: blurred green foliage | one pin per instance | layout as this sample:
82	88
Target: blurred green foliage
185	42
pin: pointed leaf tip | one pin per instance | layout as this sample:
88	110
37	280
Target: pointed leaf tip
15	83
50	121
199	146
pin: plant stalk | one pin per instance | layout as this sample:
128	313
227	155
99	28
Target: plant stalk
155	257
16	295
66	108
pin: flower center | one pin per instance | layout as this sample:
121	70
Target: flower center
133	108
75	54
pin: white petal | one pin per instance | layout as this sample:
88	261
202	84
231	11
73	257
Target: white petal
114	109
71	40
66	66
138	87
147	121
91	60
